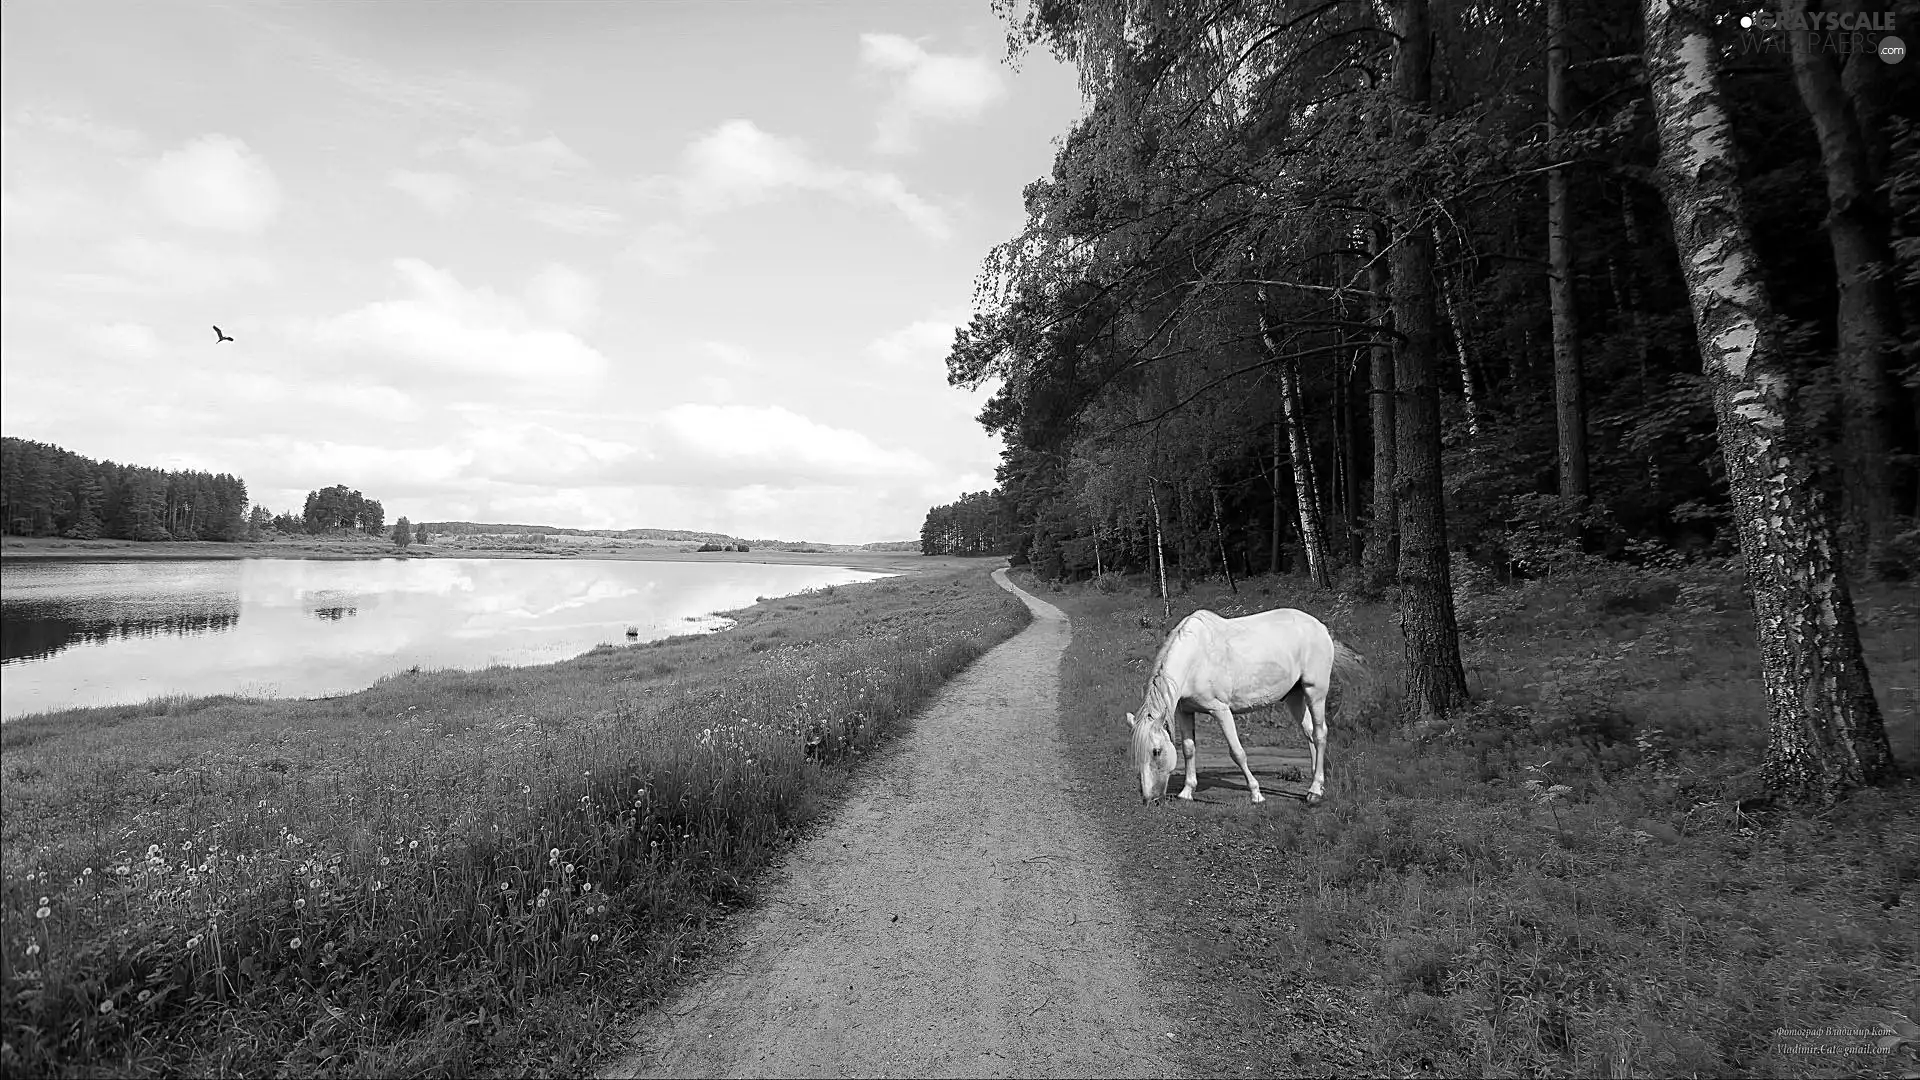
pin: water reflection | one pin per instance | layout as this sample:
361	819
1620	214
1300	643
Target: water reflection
95	633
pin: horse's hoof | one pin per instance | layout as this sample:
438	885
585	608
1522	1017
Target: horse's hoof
1187	795
1257	797
1313	798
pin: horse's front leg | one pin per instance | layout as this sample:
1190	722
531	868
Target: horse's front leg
1232	732
1184	722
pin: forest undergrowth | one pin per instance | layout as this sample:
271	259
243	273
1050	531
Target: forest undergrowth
1579	876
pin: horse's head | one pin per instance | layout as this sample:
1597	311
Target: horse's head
1154	755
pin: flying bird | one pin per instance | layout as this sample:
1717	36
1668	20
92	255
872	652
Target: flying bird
219	337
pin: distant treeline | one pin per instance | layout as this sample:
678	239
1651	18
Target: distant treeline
469	528
48	491
974	524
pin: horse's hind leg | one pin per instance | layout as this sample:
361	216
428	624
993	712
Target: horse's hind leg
1313	724
1232	732
1183	722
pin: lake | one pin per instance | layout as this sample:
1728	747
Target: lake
113	632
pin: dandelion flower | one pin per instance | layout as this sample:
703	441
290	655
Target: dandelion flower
412	844
144	995
554	855
294	944
588	887
503	886
569	868
541	902
384	860
88	872
43	912
106	1007
193	942
300	903
595	937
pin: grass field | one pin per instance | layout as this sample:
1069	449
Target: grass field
449	873
1579	879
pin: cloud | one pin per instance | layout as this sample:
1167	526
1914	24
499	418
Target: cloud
565	295
445	328
125	339
924	342
581	219
165	267
767	440
78	124
737	164
539	159
441	193
926	86
215	182
729	354
666	248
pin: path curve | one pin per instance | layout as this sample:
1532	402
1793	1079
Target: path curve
954	917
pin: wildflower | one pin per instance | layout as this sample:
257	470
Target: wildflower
503	886
45	900
153	850
43	912
554	855
106	1007
569	868
595	937
541	902
294	944
300	903
144	995
384	860
193	942
314	884
412	844
33	948
88	872
588	887
122	871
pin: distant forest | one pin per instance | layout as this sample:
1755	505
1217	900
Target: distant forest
48	491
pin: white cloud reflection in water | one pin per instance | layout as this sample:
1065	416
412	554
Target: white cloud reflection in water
100	633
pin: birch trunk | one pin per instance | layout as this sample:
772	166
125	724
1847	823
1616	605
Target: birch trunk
1220	539
1858	230
1306	492
1382	557
1569	398
1825	734
1159	551
1436	685
1466	369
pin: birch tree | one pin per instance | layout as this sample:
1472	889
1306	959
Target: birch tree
1824	728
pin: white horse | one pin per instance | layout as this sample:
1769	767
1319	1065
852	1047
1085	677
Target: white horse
1216	665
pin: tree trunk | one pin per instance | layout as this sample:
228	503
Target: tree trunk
1569	400
1858	229
1436	685
1306	492
1159	550
1351	456
1382	563
1275	564
1824	728
1220	538
1466	368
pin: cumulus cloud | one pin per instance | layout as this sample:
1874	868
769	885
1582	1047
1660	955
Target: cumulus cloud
443	327
924	342
926	86
565	295
738	164
441	193
161	266
540	159
581	219
215	182
769	440
666	248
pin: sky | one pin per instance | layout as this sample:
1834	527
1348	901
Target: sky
585	263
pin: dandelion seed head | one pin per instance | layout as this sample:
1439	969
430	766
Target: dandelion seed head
294	944
43	912
144	995
106	1007
300	903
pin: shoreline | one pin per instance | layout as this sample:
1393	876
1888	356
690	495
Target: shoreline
51	549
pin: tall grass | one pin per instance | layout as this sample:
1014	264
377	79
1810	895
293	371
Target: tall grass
1579	878
419	877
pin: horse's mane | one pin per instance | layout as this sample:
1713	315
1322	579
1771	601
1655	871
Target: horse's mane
1162	695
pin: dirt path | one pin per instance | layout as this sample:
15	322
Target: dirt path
954	918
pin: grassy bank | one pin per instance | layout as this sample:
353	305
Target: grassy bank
1580	879
448	873
278	546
